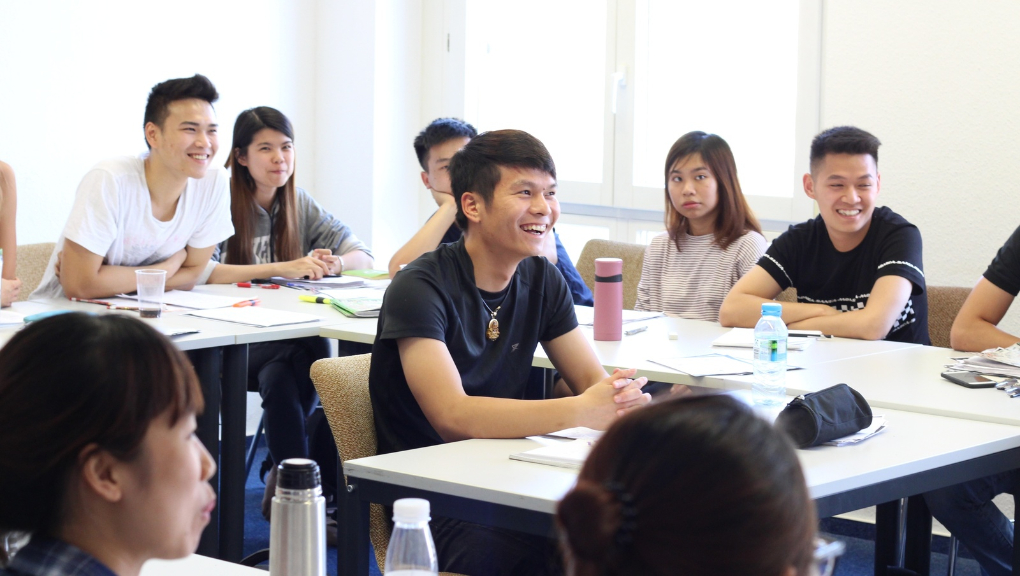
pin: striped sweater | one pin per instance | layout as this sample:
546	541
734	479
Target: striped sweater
693	283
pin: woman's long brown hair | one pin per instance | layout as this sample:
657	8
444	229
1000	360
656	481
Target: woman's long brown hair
733	216
286	238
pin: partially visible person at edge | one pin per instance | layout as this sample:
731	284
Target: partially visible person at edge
106	473
10	286
698	486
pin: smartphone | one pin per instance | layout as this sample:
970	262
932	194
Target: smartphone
970	379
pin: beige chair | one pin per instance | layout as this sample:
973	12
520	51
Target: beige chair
944	303
633	256
342	384
32	261
788	295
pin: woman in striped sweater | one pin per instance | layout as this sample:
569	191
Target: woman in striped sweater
711	238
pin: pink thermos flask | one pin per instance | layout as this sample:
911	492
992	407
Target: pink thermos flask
608	299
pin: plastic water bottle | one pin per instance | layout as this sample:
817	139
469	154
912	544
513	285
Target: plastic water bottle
411	551
770	335
297	533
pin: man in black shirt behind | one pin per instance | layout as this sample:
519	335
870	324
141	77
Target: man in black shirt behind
458	329
857	268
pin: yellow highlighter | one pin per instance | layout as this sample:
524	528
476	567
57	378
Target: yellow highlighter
315	299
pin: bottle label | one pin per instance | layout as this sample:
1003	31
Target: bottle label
770	350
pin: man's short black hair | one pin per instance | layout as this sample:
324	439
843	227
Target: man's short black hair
843	140
439	131
476	167
164	93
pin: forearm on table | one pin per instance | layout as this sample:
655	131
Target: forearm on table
231	273
975	335
858	324
484	417
107	281
744	310
357	260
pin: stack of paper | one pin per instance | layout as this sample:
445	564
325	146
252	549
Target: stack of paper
327	282
709	365
744	338
255	316
562	454
356	303
877	425
993	362
368	274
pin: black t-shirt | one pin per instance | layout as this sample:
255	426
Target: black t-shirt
805	258
1004	271
435	297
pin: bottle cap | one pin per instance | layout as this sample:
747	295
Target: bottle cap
298	474
411	510
771	309
605	267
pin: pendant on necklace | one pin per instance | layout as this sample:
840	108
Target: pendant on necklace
492	332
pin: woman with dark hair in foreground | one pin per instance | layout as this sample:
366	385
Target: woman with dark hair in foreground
692	486
99	461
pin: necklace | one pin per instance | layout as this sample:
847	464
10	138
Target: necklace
492	331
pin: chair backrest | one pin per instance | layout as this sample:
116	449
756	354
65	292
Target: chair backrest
32	261
788	295
944	303
633	256
342	384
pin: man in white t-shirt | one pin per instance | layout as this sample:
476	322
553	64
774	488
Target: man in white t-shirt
165	209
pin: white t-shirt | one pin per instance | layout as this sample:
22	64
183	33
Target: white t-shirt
112	216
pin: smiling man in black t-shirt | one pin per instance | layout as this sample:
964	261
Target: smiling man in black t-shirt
459	327
857	268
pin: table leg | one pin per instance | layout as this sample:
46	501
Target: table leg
353	547
233	412
887	521
207	366
917	556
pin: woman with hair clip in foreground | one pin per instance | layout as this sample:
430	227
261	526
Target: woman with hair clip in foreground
99	461
695	486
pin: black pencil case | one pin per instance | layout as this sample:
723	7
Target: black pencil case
816	418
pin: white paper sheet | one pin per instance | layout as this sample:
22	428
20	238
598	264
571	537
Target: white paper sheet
744	338
197	300
877	425
586	315
562	454
255	316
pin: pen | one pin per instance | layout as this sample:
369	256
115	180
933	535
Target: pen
112	307
634	331
90	301
244	303
296	286
263	286
315	299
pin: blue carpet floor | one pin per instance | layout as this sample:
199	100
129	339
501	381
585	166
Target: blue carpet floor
859	538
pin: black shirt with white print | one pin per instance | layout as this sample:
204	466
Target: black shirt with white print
804	257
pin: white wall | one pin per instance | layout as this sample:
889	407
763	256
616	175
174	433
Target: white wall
936	81
76	76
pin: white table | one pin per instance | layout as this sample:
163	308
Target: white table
196	565
475	480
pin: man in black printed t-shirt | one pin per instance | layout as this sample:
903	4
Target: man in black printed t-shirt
459	327
967	509
857	268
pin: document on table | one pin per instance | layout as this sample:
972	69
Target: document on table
579	433
586	315
562	454
982	365
9	319
709	365
877	425
255	316
171	332
196	300
744	338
